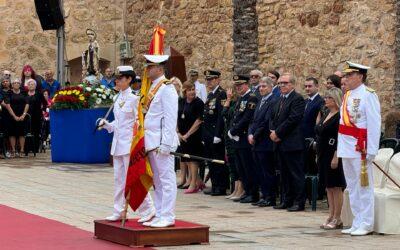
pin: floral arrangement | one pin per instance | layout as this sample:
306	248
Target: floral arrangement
82	97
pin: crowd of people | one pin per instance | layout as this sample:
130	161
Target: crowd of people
264	130
24	110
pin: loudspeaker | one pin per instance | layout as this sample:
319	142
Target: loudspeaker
50	14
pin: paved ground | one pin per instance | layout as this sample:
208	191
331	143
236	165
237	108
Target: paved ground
79	194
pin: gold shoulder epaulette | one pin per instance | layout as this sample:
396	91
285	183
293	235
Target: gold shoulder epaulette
166	81
370	89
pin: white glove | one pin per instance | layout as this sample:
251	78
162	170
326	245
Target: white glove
370	157
217	140
235	138
164	149
102	123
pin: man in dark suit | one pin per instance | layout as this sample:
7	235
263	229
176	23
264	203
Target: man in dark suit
213	129
274	75
242	117
314	103
263	154
286	133
255	77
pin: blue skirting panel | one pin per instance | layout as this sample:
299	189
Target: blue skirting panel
73	139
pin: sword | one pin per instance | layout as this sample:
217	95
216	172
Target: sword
386	174
98	126
187	156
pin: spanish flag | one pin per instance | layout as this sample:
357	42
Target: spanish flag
139	178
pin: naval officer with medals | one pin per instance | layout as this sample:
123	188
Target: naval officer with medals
213	133
125	112
161	138
358	144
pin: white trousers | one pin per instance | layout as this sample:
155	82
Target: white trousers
164	179
361	198
121	164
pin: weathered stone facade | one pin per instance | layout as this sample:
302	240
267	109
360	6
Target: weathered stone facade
22	40
245	36
301	36
201	30
317	37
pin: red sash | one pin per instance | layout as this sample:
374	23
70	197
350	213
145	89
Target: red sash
349	128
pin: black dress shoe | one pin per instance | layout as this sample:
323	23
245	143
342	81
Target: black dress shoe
218	192
248	199
295	208
281	206
262	203
270	203
208	191
258	202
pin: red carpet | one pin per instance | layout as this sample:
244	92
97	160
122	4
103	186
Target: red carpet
21	230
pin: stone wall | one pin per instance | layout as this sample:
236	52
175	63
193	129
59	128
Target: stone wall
201	30
309	38
22	40
245	36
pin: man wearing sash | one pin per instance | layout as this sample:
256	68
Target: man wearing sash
125	112
358	144
161	138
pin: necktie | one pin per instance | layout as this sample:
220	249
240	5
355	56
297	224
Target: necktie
263	101
282	101
307	102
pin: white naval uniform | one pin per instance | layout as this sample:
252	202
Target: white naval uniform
201	91
160	129
125	110
364	109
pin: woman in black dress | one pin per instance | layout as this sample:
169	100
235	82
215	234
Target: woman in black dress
190	117
17	105
37	104
329	165
5	117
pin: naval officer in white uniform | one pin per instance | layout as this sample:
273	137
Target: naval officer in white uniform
125	113
160	139
359	133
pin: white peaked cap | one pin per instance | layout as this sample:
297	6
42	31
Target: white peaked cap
156	59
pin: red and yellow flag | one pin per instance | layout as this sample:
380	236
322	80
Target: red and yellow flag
139	178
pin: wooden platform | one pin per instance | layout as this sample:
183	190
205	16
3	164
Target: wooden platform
134	234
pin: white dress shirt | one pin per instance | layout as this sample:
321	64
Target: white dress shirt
201	91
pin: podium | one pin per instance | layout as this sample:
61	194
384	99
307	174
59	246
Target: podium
136	235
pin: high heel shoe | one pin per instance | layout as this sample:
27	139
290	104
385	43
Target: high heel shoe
334	224
325	223
191	191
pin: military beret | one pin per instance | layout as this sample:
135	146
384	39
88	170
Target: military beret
240	79
212	74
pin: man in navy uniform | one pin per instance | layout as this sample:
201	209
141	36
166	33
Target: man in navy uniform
213	128
242	117
314	103
358	144
286	132
262	145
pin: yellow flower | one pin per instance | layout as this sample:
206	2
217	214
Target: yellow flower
82	98
69	92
